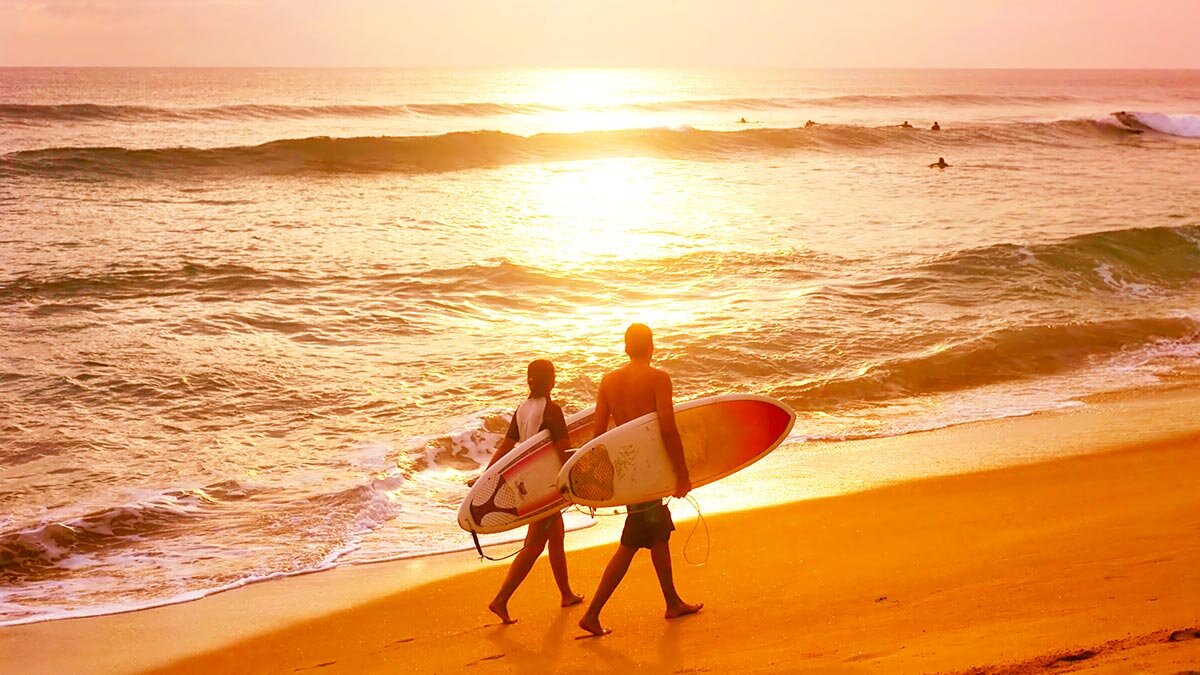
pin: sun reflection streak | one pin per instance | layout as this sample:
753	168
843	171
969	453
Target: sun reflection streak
599	211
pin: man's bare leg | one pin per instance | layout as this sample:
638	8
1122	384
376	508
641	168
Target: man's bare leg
535	542
558	561
613	573
660	555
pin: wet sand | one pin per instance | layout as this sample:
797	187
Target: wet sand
1086	562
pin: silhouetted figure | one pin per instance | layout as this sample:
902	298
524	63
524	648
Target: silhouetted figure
538	412
940	164
625	394
742	121
809	123
906	125
935	127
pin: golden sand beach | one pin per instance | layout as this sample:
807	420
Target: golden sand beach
1091	562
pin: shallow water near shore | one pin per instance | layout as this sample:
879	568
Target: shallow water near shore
231	349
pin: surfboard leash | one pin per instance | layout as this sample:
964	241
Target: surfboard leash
707	536
700	521
482	555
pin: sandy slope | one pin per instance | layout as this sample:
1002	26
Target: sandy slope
1085	562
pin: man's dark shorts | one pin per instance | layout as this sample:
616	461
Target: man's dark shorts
647	524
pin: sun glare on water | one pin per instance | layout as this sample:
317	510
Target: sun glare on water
589	213
592	99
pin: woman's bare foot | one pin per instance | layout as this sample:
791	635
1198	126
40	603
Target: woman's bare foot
683	609
571	599
592	625
500	609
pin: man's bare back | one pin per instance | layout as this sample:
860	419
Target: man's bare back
630	391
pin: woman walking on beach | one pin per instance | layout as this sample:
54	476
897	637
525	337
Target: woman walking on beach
537	413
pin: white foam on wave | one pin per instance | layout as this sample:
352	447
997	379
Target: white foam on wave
8	608
1112	280
1175	124
1147	365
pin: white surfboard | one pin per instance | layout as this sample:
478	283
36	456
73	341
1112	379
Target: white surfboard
522	487
721	435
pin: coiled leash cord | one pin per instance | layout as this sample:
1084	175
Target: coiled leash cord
592	513
700	521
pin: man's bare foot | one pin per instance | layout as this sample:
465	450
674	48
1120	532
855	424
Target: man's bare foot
571	599
501	610
683	609
592	625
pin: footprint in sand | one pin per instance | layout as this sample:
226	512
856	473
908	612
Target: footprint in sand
1077	656
319	665
493	657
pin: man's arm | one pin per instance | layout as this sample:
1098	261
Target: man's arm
670	434
600	421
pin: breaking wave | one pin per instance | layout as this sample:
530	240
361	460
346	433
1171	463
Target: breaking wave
1186	126
1025	352
479	149
49	547
35	114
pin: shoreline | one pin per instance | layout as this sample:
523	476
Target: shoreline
267	611
723	495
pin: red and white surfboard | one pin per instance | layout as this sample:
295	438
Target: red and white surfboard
522	487
721	435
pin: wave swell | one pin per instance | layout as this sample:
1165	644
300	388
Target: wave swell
136	283
1134	261
35	114
47	547
479	149
1025	352
1185	126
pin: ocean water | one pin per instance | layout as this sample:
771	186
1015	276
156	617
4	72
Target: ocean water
262	322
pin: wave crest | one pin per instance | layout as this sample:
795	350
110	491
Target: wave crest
37	114
480	149
1129	260
1005	355
135	283
1172	124
46	548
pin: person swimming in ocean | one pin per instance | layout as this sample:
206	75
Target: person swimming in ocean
906	125
537	413
742	121
809	123
935	127
940	164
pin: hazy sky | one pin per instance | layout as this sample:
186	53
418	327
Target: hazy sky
803	33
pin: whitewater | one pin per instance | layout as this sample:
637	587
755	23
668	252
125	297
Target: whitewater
261	323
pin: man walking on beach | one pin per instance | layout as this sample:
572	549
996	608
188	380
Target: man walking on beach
633	390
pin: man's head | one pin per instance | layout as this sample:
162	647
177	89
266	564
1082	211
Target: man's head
639	341
540	375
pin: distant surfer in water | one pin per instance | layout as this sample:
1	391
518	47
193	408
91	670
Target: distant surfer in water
935	127
537	413
809	124
625	394
743	121
940	164
906	125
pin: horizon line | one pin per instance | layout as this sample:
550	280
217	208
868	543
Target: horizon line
590	67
